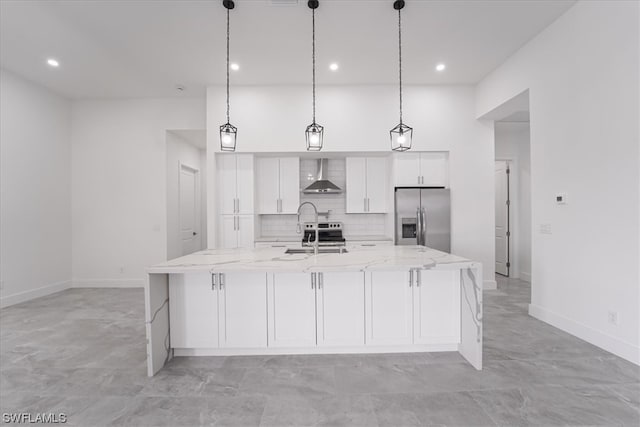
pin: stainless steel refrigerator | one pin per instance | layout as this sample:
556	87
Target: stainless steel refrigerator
423	217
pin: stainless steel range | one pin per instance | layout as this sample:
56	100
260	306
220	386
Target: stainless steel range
329	234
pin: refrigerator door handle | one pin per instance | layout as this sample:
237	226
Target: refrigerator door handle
418	227
424	227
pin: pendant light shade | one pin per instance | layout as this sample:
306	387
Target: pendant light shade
228	132
314	133
401	135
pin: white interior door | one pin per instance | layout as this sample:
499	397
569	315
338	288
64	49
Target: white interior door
502	217
189	210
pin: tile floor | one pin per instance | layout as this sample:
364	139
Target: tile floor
82	352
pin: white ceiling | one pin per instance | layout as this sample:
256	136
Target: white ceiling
145	48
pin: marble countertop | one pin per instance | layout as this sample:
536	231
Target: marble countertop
275	260
350	239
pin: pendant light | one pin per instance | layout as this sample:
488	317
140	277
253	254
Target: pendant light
314	132
228	132
402	134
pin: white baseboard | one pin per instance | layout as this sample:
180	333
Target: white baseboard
107	283
525	277
489	285
52	288
606	342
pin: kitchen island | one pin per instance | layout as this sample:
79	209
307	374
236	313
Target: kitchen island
263	301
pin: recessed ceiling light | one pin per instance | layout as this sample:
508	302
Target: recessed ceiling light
440	67
334	67
53	63
234	67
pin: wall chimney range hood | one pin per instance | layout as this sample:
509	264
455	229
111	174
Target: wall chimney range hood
322	185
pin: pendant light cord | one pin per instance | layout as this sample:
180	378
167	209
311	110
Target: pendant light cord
313	55
227	65
400	59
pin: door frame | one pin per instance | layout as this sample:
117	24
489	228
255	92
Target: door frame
198	201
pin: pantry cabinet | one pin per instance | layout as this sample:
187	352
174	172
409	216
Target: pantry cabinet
366	185
278	185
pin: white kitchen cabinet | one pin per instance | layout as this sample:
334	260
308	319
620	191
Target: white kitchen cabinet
291	299
237	231
340	312
278	184
242	309
422	169
436	306
389	308
236	183
193	311
366	185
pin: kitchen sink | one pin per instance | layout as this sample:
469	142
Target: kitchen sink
320	251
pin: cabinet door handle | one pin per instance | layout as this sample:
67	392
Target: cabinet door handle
410	278
368	204
222	280
418	278
320	280
213	281
365	204
313	280
236	223
418	179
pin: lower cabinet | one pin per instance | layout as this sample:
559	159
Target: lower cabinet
436	306
291	299
247	310
339	309
193	311
242	304
309	309
389	308
218	310
413	307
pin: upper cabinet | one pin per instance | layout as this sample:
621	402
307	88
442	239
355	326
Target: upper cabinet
366	185
426	169
236	183
278	184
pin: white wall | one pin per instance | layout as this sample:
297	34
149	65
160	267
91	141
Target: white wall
35	215
181	152
119	185
358	118
512	143
582	75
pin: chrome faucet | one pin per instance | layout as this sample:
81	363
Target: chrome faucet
299	227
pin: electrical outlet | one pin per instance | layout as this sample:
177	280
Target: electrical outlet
612	317
545	228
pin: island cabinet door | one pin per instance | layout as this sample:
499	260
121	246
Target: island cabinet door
388	308
243	310
436	308
193	311
291	310
340	309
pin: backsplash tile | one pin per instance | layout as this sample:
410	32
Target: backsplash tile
354	224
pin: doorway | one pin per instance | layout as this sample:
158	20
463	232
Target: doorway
186	192
503	220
